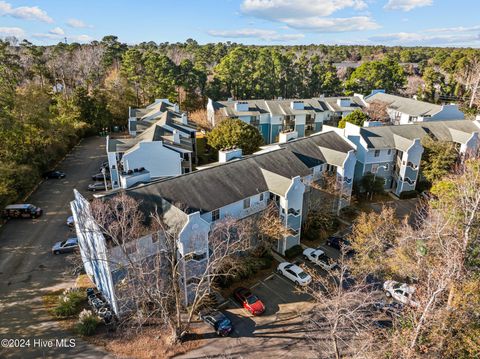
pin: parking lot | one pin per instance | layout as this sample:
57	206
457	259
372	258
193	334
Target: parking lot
29	270
278	331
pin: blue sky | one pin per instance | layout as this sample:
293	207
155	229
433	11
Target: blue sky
388	22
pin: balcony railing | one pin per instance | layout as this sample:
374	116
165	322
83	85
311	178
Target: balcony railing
254	209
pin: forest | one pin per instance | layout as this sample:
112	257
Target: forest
52	96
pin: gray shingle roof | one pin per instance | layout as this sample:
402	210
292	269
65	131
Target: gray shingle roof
214	187
311	150
401	136
405	105
275	107
356	103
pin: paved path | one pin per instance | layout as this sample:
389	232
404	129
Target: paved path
28	270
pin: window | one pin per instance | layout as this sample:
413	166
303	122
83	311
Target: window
377	153
246	203
196	256
261	197
215	215
389	152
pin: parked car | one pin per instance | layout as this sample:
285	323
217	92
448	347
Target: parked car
99	176
220	323
400	292
68	246
22	211
54	175
249	300
97	186
339	243
294	273
317	256
70	221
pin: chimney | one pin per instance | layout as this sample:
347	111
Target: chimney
176	137
228	154
184	118
297	105
176	108
286	136
241	106
344	102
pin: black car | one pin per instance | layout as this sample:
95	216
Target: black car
222	325
54	175
21	211
339	243
99	176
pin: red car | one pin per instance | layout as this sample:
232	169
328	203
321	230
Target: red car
249	300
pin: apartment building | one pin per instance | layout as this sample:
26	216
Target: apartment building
395	152
238	187
403	110
162	144
304	116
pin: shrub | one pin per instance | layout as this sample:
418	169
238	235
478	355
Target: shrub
408	194
69	302
87	323
294	251
319	223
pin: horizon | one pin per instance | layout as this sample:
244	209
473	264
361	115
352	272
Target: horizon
407	23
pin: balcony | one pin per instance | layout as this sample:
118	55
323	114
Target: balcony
294	222
257	207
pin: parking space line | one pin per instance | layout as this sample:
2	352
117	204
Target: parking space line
274	292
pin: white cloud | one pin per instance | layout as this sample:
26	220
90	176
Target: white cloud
12	31
52	35
24	12
281	9
319	24
264	35
76	23
310	15
81	38
425	38
407	5
455	29
57	31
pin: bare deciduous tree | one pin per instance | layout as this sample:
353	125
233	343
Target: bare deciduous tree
155	277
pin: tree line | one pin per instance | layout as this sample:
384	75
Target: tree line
53	95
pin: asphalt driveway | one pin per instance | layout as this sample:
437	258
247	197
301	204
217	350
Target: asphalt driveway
279	332
28	270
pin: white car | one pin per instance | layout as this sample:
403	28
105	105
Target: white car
294	273
319	257
400	292
97	186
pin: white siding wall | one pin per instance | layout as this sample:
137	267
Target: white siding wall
153	156
383	156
